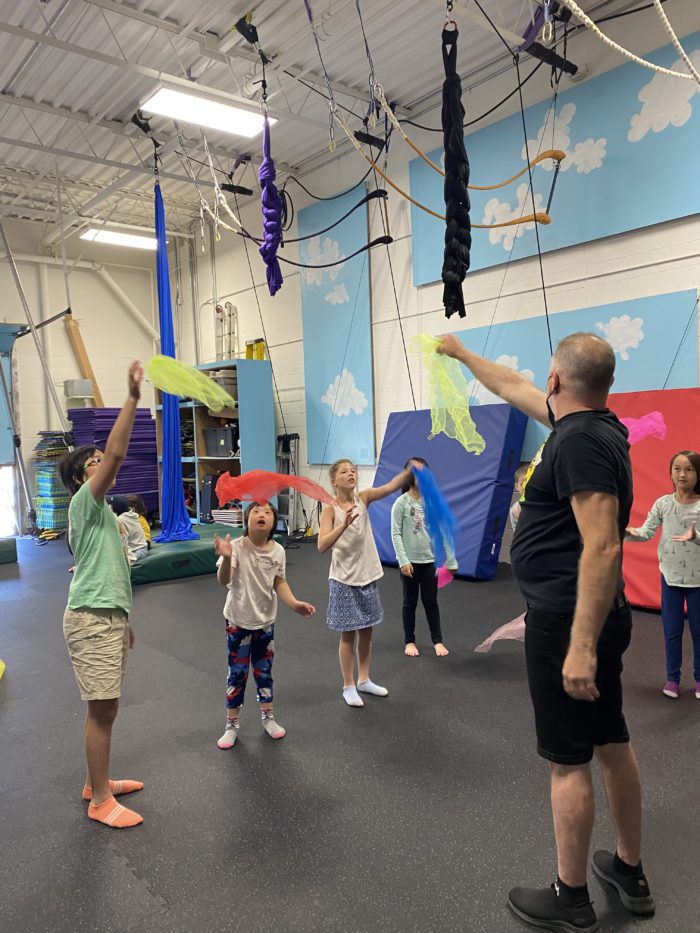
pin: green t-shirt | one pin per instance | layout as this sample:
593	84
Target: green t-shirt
102	579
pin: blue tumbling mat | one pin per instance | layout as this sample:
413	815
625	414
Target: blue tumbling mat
478	489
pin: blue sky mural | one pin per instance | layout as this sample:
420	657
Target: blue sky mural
646	335
335	309
627	135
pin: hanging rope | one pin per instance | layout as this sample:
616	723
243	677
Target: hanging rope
370	196
458	237
538	217
371	81
676	41
332	108
557	155
532	195
587	21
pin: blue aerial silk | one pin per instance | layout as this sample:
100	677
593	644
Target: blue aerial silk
174	518
440	522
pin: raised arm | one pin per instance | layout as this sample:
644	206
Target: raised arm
512	387
375	493
328	533
118	441
596	515
224	550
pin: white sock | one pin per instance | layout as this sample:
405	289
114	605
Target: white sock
352	697
366	686
228	739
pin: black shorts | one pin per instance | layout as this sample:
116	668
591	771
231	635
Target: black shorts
568	729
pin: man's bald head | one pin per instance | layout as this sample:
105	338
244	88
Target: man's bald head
585	364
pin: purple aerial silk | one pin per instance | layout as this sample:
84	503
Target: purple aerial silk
272	215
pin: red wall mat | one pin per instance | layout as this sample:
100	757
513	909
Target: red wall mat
650	462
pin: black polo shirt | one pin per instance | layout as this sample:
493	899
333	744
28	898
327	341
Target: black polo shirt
586	451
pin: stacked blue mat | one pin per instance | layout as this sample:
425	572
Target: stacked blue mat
52	498
139	472
478	489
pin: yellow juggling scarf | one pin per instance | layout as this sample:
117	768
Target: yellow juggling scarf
178	378
449	395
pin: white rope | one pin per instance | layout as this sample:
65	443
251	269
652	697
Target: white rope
587	21
218	193
676	41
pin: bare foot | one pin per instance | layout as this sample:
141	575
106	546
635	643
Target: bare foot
440	650
411	650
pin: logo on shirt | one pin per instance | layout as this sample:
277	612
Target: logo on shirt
534	463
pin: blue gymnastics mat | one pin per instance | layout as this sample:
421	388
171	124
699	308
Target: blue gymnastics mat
478	489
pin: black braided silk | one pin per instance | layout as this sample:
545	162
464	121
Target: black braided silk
458	237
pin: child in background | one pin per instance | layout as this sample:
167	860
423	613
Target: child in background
354	605
133	537
139	506
417	563
515	508
253	569
679	562
96	621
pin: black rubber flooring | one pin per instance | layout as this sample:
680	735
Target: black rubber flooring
417	813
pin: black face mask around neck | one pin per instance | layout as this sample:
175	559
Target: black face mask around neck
550	413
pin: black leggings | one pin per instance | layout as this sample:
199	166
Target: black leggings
423	579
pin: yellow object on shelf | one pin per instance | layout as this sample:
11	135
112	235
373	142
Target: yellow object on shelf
255	349
2	668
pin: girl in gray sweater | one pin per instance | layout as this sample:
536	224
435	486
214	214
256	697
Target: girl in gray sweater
679	561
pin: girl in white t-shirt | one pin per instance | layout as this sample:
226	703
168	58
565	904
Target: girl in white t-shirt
354	606
253	569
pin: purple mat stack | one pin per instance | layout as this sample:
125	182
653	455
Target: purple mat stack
139	472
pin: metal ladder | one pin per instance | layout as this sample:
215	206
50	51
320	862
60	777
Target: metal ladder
287	460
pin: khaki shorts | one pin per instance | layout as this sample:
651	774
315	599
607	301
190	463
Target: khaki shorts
98	642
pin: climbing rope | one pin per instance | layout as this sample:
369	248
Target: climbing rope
587	21
539	217
676	41
557	155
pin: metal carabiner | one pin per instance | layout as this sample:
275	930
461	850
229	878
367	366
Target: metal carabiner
548	27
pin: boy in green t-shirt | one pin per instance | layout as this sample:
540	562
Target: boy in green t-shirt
96	620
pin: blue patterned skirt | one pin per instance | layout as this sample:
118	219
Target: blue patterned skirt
353	607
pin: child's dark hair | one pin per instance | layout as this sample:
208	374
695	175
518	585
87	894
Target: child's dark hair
138	505
261	505
120	504
695	461
71	466
412	479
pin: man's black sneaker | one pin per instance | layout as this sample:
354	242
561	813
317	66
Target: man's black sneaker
633	889
542	908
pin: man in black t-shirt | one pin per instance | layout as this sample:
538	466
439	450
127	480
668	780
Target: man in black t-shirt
567	559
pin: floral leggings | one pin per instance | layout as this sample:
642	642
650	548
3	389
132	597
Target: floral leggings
243	645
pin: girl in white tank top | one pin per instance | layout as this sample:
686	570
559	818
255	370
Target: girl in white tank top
354	605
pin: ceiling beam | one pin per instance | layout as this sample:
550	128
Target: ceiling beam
121	129
109	163
215	53
153	73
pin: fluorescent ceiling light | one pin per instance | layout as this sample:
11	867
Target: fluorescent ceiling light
116	238
203	111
